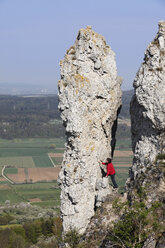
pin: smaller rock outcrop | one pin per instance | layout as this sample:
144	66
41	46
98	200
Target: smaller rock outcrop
148	105
89	101
147	176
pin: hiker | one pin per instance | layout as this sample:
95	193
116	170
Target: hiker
110	171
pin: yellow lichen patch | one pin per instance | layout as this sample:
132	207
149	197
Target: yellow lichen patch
81	78
61	62
68	165
80	81
76	91
89	27
92	148
67	58
112	93
87	31
89	121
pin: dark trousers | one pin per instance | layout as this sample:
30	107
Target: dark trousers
113	181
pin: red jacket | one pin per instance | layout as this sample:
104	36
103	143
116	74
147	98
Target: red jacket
110	169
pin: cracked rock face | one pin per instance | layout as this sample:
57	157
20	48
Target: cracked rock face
148	105
89	101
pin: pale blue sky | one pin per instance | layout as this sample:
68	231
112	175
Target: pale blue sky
35	34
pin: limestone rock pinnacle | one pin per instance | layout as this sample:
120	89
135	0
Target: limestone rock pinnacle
148	105
89	100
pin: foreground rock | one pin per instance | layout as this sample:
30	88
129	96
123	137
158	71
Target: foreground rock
89	100
148	105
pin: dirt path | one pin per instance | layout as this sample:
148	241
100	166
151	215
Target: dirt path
10	181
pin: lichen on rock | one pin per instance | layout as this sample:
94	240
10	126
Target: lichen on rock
89	101
148	105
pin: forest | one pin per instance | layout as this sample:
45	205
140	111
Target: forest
33	116
39	117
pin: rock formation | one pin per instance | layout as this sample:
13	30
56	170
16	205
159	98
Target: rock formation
147	176
148	105
145	193
89	101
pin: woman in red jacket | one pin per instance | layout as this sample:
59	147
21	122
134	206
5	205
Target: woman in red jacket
110	171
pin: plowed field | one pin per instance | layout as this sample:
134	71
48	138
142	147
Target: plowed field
35	175
43	174
2	179
55	155
19	177
118	153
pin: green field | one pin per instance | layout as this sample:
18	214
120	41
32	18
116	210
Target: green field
123	144
121	177
42	161
43	191
17	162
29	147
28	153
1	170
47	203
46	192
2	182
32	142
11	170
58	160
123	159
9	194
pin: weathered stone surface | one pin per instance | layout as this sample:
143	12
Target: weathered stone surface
89	100
148	133
148	105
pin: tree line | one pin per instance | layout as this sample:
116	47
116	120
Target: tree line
38	116
25	117
23	236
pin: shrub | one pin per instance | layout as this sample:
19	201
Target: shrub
5	219
160	156
19	230
52	146
9	239
72	238
135	225
57	227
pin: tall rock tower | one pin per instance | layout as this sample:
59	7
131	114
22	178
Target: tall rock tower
148	105
89	101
